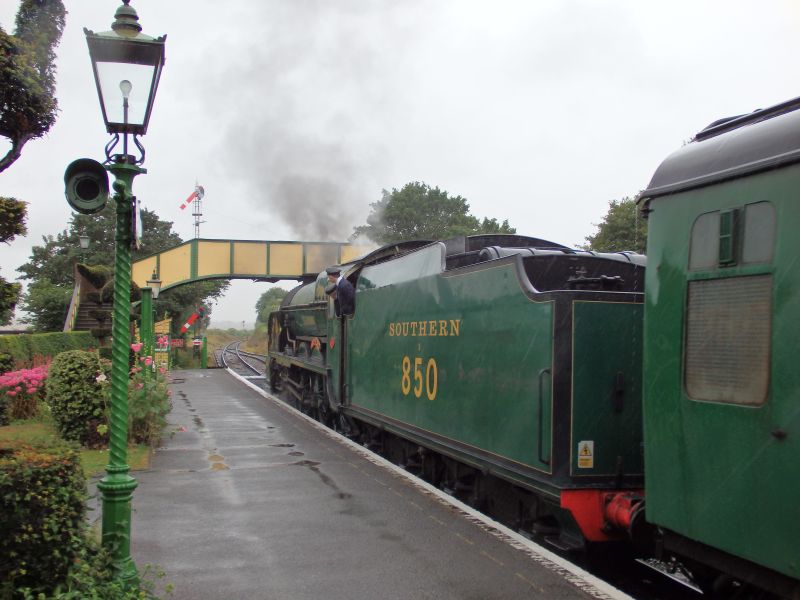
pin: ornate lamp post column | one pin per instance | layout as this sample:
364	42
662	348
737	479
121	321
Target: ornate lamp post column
147	324
149	293
127	66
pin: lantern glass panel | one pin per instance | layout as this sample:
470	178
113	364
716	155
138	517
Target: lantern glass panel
109	75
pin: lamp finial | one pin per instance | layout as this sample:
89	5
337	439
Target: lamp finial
126	21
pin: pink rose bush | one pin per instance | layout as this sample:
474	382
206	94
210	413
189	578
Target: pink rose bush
20	393
148	399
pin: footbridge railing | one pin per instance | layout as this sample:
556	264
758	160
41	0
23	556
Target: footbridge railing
200	259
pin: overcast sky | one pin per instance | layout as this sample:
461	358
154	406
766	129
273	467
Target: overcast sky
294	114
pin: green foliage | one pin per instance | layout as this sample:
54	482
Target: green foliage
51	266
46	552
9	296
622	228
185	358
30	350
12	223
268	302
42	495
13	213
77	390
92	577
46	305
6	361
28	106
179	302
148	405
107	292
419	212
96	275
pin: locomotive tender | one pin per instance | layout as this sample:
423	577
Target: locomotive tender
545	382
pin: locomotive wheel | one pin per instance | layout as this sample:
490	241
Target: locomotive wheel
305	403
277	378
322	408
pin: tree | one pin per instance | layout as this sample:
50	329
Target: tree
622	228
28	106
12	223
418	211
53	262
268	302
46	305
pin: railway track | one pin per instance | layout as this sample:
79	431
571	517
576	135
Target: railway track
246	364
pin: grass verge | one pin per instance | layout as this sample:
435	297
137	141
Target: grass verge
93	461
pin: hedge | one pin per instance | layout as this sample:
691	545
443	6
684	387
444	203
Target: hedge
31	349
42	510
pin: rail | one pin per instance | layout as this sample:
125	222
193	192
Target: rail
234	349
74	305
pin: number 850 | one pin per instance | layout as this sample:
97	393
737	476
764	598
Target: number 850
430	381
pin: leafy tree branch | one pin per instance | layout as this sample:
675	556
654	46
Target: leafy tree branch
420	212
28	106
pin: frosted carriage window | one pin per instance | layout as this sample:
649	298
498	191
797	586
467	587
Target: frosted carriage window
728	333
704	246
759	233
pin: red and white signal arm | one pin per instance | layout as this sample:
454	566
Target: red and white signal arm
197	342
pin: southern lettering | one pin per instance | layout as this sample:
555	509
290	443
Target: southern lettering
433	328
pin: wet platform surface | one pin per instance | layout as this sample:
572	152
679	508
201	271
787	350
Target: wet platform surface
248	500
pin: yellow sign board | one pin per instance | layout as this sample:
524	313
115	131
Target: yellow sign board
586	454
162	327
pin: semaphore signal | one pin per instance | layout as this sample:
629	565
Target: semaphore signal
196	200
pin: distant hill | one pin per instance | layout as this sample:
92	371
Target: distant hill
250	325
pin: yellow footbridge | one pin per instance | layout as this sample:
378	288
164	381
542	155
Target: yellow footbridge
201	259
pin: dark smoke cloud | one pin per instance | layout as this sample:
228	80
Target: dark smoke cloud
305	134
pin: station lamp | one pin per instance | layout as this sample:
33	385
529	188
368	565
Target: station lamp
83	240
154	283
127	68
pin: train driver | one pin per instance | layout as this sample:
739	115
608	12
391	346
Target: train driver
344	296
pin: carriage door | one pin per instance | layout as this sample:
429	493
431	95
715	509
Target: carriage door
738	387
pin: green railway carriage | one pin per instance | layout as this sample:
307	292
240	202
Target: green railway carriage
518	361
722	387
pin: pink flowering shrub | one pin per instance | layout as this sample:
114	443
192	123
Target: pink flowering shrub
148	400
21	392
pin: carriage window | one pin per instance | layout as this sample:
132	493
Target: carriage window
759	233
704	247
728	333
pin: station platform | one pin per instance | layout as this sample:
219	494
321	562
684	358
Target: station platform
248	498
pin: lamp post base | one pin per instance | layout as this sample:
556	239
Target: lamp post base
116	490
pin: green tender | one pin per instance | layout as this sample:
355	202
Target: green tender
466	358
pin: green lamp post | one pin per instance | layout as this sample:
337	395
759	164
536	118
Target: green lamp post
149	293
127	67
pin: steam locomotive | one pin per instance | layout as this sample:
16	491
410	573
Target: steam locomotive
544	382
